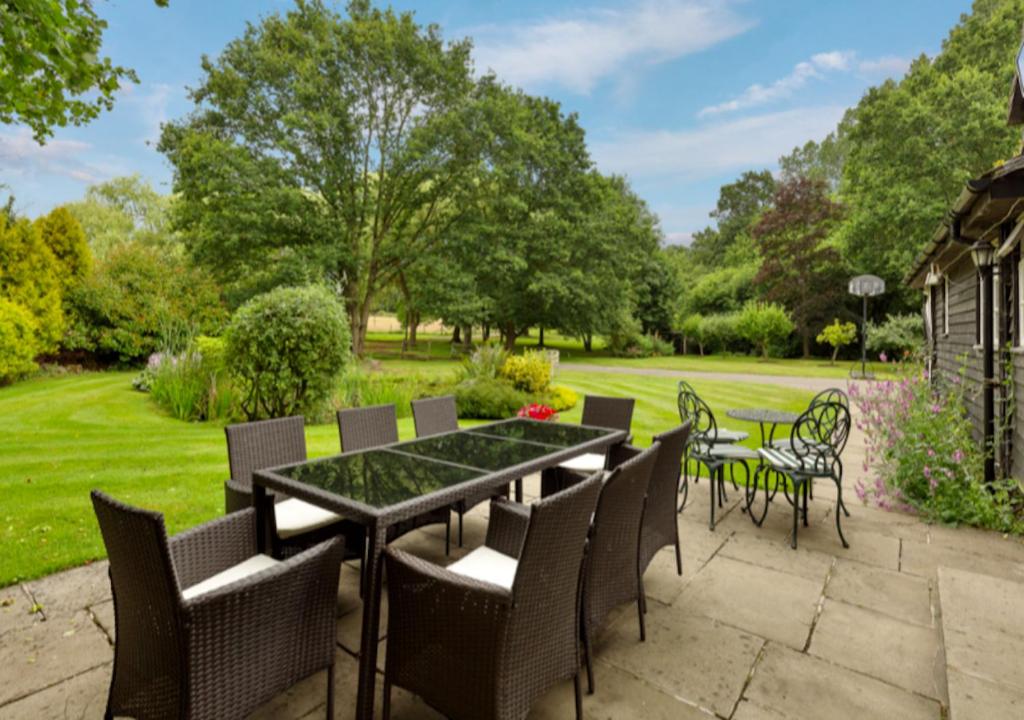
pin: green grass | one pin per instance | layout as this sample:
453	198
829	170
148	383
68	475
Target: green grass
65	436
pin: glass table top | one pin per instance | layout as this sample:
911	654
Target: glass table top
378	478
547	433
479	451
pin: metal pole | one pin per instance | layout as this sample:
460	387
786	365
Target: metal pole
987	373
864	339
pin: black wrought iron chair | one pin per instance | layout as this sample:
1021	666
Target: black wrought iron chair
815	450
433	416
598	411
725	437
205	627
704	448
369	427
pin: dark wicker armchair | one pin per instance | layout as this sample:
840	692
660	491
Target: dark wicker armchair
370	427
484	638
660	526
612	572
294	524
433	416
205	627
606	412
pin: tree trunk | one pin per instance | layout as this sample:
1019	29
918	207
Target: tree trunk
588	342
456	335
807	345
835	352
486	332
467	336
700	346
413	321
509	335
540	337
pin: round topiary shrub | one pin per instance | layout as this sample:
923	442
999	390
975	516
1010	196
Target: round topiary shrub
17	342
286	349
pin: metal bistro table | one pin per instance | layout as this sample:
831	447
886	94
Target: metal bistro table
383	486
772	419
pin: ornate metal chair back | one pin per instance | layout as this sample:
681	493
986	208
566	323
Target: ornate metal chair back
703	428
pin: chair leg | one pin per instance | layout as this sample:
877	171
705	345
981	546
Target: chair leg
460	528
587	659
679	555
812	488
386	709
330	692
796	516
721	486
641	609
519	490
807	488
839	526
579	695
711	486
448	535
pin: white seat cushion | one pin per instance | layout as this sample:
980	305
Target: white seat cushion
587	463
487	565
295	517
225	577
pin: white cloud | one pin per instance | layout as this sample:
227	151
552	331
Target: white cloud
889	66
577	52
21	156
713	149
151	106
816	67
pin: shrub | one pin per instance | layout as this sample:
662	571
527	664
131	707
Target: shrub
923	457
63	235
529	372
764	325
29	277
488	399
485	361
287	349
899	335
720	332
837	335
17	342
193	385
124	311
561	398
693	330
362	389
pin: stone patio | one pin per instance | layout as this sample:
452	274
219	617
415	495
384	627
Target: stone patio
751	630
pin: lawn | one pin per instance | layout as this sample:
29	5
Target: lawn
67	435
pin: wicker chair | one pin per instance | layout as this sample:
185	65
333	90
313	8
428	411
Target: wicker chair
612	572
485	637
660	527
703	446
433	416
598	411
294	524
205	627
725	437
370	427
816	445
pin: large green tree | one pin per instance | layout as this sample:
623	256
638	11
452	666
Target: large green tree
347	141
51	73
124	210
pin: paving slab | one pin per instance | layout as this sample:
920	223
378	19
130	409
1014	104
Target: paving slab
16	609
983	628
309	697
920	558
350	626
776	554
103	615
45	653
687	656
972	698
82	696
765	602
904	655
866	547
977	541
883	522
796	686
698	545
72	589
898	595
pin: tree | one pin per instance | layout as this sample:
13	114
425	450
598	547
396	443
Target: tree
348	142
693	329
820	160
124	210
52	73
799	268
764	325
739	205
30	278
63	235
837	335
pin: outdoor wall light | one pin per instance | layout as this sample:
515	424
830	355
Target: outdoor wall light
932	278
983	254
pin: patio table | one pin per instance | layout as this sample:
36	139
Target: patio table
383	486
763	417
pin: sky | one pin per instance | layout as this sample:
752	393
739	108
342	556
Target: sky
680	96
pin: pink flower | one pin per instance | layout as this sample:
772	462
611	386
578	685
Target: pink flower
883	357
958	456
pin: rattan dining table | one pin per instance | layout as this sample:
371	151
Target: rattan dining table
384	486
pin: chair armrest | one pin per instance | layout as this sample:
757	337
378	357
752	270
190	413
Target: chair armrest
506	527
212	547
619	454
461	620
281	620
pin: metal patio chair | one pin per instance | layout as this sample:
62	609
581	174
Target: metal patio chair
725	437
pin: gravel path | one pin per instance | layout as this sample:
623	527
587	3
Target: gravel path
794	381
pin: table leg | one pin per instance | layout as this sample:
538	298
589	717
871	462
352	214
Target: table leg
373	569
519	490
259	502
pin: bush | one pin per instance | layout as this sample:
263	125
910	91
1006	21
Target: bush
764	325
63	235
560	398
362	389
126	309
30	277
720	332
485	362
923	456
529	372
485	399
193	385
837	335
899	335
287	349
693	330
17	342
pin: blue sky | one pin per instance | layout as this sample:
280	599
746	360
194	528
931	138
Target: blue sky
679	95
